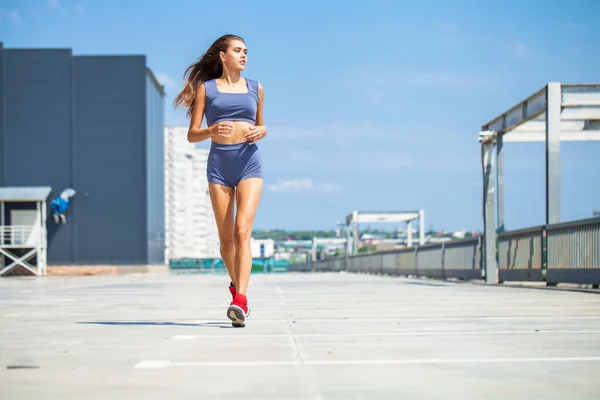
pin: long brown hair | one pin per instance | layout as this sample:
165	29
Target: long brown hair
207	67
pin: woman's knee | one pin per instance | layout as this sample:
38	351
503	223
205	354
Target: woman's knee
227	245
243	234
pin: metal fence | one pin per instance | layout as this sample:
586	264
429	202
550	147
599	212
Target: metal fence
574	252
520	255
457	259
559	253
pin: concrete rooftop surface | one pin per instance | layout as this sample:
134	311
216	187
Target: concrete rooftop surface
309	336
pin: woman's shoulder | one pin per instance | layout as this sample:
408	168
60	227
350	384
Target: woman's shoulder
209	87
253	83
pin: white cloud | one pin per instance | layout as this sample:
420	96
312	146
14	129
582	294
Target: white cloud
379	85
55	4
13	16
448	26
347	135
449	79
576	27
345	148
521	50
304	185
167	81
366	160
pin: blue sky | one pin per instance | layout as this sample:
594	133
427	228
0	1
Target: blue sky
370	105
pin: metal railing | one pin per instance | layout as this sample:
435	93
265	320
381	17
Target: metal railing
574	252
559	253
19	236
455	259
520	254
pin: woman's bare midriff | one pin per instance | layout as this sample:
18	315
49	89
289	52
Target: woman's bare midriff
240	128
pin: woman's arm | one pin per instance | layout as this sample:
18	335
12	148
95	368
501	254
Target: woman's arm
195	132
259	130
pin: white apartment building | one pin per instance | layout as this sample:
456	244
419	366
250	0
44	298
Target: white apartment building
190	228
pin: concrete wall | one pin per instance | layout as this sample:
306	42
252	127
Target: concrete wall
82	122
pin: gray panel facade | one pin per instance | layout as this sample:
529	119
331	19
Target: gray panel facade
155	146
38	129
84	124
2	114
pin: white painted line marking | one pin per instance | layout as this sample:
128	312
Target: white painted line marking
278	290
12	315
204	322
401	319
45	289
151	364
184	337
161	364
384	334
473	308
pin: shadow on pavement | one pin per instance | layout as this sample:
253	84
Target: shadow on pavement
424	283
212	324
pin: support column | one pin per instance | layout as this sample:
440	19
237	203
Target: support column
553	111
421	227
348	247
2	224
355	239
491	268
500	182
409	233
44	255
37	234
348	240
355	231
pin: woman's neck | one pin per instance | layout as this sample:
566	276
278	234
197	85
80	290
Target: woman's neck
231	77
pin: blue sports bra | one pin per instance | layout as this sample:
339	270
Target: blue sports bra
230	106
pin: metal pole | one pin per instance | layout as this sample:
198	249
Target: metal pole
356	237
44	236
553	110
500	182
421	227
491	268
38	211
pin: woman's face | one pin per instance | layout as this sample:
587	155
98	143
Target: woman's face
236	56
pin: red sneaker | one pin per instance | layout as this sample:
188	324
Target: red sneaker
238	311
232	290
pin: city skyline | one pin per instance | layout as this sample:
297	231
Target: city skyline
376	108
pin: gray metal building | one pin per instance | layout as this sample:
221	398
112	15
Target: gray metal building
94	124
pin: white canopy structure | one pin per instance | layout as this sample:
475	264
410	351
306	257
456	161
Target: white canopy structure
557	113
359	217
337	242
24	236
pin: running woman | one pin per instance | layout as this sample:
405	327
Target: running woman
233	107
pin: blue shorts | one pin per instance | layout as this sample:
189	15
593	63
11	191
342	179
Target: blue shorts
228	164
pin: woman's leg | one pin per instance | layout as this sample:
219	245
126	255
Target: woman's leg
223	200
247	197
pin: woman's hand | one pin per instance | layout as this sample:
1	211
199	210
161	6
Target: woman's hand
222	129
256	133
